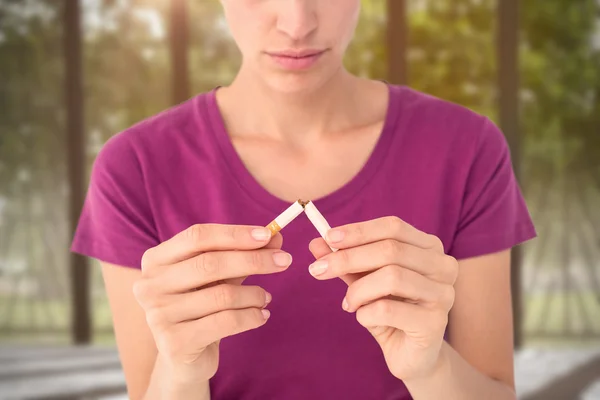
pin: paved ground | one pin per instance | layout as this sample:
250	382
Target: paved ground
558	374
94	373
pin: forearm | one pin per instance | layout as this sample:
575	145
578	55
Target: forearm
167	385
455	378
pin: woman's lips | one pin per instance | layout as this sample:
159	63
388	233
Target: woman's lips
296	61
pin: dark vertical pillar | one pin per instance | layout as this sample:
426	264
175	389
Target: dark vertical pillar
397	41
179	37
76	159
508	85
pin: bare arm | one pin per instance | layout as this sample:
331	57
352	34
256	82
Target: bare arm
478	362
170	316
135	342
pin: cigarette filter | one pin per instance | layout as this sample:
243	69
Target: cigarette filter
318	220
286	217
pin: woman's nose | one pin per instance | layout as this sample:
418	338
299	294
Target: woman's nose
297	18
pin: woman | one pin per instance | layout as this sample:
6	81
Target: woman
420	192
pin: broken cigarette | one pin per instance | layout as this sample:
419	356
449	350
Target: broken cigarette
313	214
286	217
318	220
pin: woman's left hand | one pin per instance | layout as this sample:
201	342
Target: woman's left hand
400	284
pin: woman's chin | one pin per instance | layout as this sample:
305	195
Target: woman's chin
296	83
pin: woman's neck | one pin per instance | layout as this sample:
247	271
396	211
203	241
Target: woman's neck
251	108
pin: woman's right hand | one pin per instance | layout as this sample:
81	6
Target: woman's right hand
192	295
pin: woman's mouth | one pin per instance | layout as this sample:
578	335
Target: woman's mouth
296	60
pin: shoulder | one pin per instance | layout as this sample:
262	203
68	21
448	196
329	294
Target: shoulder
157	136
435	109
447	129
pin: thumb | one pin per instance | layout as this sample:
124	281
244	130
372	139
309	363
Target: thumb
319	247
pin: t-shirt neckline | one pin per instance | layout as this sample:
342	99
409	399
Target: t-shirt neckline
327	202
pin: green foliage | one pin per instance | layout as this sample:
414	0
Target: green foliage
31	74
367	54
561	84
452	52
127	70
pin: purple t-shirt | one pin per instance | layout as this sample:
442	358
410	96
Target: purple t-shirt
437	165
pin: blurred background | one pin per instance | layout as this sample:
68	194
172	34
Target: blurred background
73	73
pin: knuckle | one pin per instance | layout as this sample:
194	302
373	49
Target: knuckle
196	233
254	260
362	316
229	320
452	268
143	291
224	296
237	320
389	248
382	308
391	272
138	289
402	277
206	264
341	257
446	297
394	275
155	317
395	224
359	230
436	242
231	232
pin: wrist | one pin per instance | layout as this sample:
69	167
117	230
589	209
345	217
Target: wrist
173	382
199	390
439	370
181	381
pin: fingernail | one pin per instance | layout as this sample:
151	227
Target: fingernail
282	259
318	268
261	234
266	313
335	236
345	304
268	298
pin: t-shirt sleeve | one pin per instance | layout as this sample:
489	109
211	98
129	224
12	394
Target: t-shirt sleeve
116	223
493	216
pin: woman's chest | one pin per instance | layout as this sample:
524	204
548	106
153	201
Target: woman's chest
211	190
307	171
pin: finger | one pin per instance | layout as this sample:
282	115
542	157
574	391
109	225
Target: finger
216	266
201	303
410	318
372	256
375	230
399	282
275	243
319	248
206	237
226	323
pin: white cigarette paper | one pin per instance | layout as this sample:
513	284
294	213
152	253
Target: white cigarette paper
318	220
285	218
